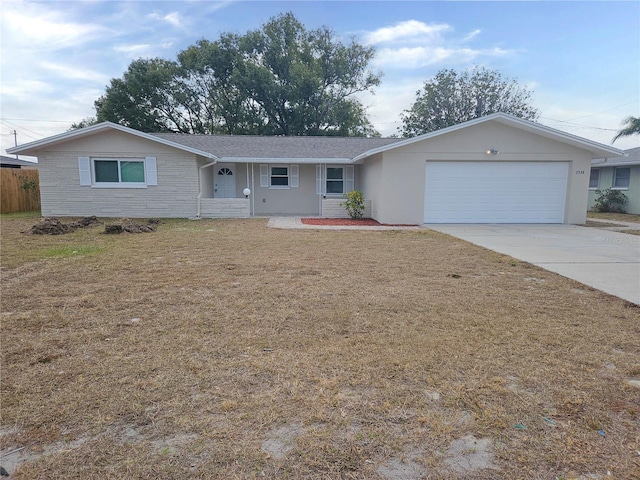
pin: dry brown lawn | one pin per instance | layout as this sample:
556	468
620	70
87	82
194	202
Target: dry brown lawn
621	217
224	349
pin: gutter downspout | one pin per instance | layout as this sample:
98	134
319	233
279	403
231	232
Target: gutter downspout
200	184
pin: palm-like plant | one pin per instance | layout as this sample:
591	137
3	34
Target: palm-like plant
632	128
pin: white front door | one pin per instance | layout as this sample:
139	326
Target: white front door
224	185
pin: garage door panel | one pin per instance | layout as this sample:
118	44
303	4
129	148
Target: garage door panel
495	192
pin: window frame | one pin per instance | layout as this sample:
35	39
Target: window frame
594	170
119	184
615	178
327	180
287	176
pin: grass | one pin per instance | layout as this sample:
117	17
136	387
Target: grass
620	217
224	349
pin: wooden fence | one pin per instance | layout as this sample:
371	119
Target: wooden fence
19	190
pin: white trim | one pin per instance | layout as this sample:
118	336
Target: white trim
150	171
120	183
264	175
93	129
615	177
294	176
350	179
84	167
271	160
319	180
288	177
327	180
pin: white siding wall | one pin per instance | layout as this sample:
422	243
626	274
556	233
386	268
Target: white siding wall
62	195
331	208
225	208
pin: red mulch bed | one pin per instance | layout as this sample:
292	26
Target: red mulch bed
348	222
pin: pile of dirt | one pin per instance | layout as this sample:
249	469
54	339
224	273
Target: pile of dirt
127	226
53	226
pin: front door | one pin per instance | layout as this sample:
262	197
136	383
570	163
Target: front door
224	182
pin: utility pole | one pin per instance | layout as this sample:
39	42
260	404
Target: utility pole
15	141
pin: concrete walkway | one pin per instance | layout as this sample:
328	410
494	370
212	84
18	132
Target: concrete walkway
296	222
603	259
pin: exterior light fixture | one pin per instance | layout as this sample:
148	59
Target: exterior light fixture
492	151
246	192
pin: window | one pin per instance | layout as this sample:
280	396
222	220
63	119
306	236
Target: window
335	180
594	178
621	177
279	177
118	172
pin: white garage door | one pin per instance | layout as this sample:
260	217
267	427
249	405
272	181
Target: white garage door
495	192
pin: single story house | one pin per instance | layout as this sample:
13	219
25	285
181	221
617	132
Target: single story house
618	173
493	169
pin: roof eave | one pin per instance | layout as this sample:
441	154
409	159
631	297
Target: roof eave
94	129
597	149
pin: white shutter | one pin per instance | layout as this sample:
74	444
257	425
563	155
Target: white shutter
264	175
295	179
319	180
84	165
350	179
151	171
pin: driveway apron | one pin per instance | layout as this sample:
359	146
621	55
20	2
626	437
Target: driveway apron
605	260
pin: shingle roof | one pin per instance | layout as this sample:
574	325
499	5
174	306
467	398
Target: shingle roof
14	161
631	157
263	147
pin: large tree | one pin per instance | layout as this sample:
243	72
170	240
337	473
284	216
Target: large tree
451	98
280	80
632	127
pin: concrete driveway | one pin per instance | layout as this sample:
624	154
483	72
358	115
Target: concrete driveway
606	260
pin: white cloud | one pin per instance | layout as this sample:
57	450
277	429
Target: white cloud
413	44
471	35
74	73
46	30
172	18
416	57
411	29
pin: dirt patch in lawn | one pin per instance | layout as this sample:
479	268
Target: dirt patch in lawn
226	349
53	226
129	226
349	222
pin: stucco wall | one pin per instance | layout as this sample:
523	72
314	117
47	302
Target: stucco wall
632	193
301	200
400	196
371	181
62	195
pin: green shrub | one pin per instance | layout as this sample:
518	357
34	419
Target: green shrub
354	204
609	200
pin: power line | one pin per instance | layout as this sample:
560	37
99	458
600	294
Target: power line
604	111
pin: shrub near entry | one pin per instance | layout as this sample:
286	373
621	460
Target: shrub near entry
609	200
354	204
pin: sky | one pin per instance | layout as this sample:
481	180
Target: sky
581	59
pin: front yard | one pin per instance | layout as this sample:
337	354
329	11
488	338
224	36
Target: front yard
224	349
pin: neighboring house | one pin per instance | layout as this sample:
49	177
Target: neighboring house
9	162
618	173
494	169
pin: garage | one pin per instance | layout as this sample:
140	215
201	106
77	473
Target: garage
495	192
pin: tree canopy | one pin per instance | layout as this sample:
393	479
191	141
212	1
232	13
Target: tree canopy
280	80
632	127
451	98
